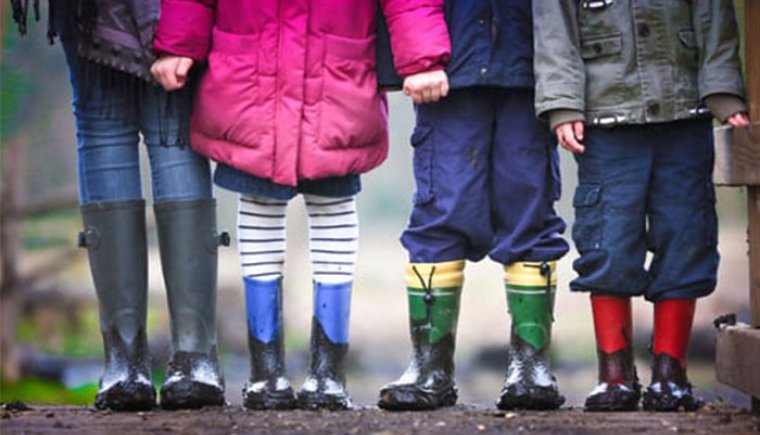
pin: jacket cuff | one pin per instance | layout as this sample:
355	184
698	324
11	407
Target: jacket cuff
562	116
184	29
723	106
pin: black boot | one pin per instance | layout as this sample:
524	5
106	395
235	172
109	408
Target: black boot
189	242
325	384
529	383
428	382
114	234
267	388
670	389
618	388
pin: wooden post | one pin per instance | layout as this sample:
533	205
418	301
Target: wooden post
752	51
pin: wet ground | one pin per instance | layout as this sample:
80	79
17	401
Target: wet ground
459	420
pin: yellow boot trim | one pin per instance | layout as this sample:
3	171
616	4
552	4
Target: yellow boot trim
528	274
444	275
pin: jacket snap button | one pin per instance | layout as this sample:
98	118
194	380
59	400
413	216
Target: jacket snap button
644	30
483	71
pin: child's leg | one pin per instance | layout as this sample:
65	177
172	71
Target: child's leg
524	185
683	237
261	246
450	222
333	243
609	233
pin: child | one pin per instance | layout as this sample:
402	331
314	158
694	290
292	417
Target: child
109	54
289	104
487	179
623	87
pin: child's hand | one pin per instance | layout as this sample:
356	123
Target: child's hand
171	71
427	87
738	119
570	135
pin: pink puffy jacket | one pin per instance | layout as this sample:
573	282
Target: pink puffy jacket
290	91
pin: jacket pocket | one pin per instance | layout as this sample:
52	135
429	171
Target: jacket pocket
587	228
423	163
605	67
228	105
352	112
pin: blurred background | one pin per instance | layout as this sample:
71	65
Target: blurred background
52	349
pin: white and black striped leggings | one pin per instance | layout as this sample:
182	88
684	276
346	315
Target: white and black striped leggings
333	237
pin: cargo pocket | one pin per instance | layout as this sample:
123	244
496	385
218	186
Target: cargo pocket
228	105
352	112
587	228
423	163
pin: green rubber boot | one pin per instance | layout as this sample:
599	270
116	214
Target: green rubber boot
428	383
529	382
189	243
114	235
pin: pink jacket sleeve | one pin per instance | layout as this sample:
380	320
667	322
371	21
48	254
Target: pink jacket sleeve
184	28
419	38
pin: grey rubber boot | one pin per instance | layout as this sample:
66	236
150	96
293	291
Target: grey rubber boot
114	235
189	243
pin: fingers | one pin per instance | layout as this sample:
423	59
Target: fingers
183	67
578	130
566	134
171	72
738	119
426	87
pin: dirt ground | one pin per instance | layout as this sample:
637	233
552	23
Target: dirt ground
459	420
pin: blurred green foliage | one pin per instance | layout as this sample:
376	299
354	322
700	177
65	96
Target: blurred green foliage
46	392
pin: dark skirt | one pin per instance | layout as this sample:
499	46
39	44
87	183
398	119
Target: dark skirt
247	184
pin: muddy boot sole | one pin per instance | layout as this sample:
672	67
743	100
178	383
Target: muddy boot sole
127	396
187	394
663	402
413	398
269	400
531	398
313	401
614	400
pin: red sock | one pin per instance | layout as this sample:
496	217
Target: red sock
672	327
612	322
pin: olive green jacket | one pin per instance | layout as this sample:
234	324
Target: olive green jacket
636	61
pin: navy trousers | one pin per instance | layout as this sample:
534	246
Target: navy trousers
487	178
647	188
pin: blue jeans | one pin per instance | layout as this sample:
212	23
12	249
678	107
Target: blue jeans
110	120
647	188
487	178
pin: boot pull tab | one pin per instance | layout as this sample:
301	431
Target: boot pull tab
224	239
546	270
88	238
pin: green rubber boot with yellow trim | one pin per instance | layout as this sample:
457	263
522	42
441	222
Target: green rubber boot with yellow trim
529	382
434	290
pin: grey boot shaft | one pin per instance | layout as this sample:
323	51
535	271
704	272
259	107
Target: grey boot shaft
189	245
114	235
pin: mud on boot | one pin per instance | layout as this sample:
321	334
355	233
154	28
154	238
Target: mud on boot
267	387
529	383
428	382
193	380
433	291
618	388
325	384
670	389
126	383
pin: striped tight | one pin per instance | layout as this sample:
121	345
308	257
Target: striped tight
333	237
